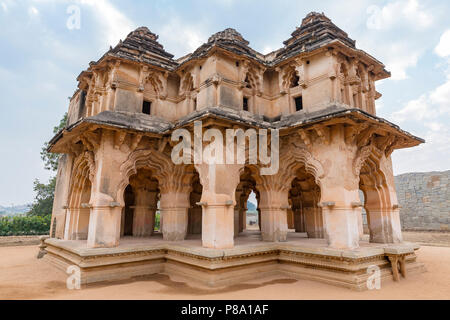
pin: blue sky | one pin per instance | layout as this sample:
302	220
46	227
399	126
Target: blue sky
40	58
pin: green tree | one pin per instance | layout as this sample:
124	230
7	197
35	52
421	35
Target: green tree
43	203
51	159
45	193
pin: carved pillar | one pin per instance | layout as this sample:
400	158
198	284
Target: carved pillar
174	205
339	190
61	199
195	211
82	224
314	222
144	212
237	212
274	204
290	219
383	209
145	190
106	209
360	222
218	200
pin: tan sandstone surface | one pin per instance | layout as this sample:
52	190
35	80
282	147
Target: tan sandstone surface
22	276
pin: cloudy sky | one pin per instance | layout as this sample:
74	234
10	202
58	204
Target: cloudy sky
42	51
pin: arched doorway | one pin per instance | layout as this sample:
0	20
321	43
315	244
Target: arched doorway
305	214
195	211
79	208
245	219
379	203
141	202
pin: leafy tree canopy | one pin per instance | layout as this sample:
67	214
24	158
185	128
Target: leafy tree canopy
45	193
43	203
51	159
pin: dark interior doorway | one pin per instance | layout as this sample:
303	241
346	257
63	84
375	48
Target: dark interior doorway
129	211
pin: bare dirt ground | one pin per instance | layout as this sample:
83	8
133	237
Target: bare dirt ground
19	241
22	276
439	239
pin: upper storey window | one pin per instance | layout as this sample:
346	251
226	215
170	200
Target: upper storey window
298	103
147	107
245	103
294	81
247	80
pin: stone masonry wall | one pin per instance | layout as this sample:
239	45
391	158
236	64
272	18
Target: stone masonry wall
425	200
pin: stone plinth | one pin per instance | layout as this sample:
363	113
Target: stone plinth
251	258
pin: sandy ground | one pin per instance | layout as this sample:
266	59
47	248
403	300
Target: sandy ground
22	276
19	241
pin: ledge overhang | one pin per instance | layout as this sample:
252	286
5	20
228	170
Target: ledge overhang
158	127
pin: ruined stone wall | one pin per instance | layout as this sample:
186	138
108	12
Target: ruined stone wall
425	200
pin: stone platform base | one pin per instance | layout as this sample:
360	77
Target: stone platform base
251	258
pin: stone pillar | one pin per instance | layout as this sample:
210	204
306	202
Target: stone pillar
174	208
382	206
104	227
195	211
237	213
299	219
360	222
82	224
144	210
61	198
290	219
71	217
243	219
106	209
240	217
218	201
384	223
274	206
313	222
339	189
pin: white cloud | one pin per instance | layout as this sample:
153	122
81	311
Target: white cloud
443	48
267	49
430	113
399	58
4	6
431	105
181	38
398	53
33	12
417	110
398	13
115	24
430	156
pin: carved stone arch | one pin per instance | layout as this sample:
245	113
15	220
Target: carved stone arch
137	160
157	81
80	189
376	182
169	175
251	80
299	155
252	77
289	74
83	168
187	83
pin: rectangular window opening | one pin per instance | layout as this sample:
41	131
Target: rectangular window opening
147	107
299	103
245	103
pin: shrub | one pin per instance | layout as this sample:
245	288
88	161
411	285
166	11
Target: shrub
157	220
25	225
